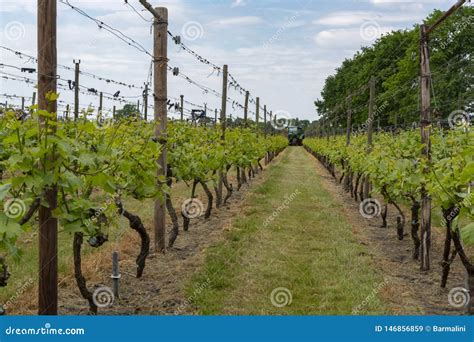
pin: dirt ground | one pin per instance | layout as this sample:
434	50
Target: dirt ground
408	290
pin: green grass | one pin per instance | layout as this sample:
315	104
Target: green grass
308	248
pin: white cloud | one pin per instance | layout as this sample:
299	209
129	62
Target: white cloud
346	18
238	3
385	2
237	21
348	38
18	5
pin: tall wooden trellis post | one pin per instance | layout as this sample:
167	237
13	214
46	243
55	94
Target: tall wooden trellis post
48	224
160	95
425	130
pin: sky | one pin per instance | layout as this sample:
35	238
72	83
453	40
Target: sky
279	50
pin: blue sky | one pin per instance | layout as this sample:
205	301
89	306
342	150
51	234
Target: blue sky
280	50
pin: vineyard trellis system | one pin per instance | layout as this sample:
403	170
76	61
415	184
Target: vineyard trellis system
76	173
404	166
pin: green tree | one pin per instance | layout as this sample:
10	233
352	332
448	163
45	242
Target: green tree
129	110
394	61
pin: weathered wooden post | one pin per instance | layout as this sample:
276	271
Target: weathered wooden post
76	89
246	108
425	128
48	225
257	111
370	125
100	104
160	64
223	127
145	102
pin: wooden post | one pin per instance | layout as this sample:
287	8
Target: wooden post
138	108
326	128
215	117
205	114
270	126
265	120
100	104
265	130
246	107
160	63
145	102
182	107
224	100
76	89
48	225
370	122
67	112
22	103
349	120
33	101
348	139
223	127
257	112
425	229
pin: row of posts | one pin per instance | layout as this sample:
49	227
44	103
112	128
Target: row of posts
47	83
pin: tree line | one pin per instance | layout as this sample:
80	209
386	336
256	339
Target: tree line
394	61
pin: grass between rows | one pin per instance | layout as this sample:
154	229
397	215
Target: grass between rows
308	249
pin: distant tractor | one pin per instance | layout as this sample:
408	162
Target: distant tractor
295	135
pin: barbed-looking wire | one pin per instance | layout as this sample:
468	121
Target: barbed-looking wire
22	55
133	43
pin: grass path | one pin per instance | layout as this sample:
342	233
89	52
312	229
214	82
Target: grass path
290	239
